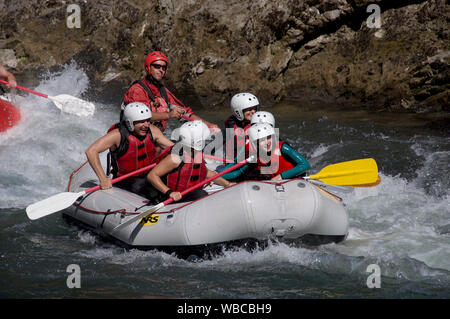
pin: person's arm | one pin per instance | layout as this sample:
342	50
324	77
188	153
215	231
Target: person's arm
301	164
160	138
8	76
168	164
234	173
219	180
188	111
110	140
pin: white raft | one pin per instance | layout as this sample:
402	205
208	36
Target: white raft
251	211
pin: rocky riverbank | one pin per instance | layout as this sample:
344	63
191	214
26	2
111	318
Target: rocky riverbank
312	51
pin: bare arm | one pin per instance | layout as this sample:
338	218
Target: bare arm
160	138
219	180
168	164
109	141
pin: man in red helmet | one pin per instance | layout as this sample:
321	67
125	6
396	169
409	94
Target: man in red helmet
150	91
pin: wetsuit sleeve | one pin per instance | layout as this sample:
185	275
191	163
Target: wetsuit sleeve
233	174
301	164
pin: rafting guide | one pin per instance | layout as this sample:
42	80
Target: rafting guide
151	91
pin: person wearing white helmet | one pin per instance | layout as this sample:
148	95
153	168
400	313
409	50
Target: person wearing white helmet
243	107
276	159
263	117
133	143
185	165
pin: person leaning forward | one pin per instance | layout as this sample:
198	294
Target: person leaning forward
134	143
150	91
185	166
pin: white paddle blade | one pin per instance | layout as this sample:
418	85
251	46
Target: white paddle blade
73	105
52	204
138	217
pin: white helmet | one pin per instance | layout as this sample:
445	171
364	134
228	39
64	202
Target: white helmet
135	111
263	117
258	131
242	101
194	134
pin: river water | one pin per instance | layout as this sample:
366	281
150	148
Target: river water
402	226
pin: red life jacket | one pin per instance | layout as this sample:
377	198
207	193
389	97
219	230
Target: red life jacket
277	164
133	153
240	139
156	97
190	172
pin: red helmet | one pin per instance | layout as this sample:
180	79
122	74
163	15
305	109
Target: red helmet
153	57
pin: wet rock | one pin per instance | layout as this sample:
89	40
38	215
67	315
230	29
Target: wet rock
8	58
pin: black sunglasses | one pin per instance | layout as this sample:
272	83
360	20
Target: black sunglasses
159	66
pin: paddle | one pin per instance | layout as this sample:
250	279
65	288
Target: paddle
65	102
332	188
170	200
63	200
378	181
357	172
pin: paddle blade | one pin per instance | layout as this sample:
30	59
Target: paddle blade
52	204
138	217
378	181
357	172
73	105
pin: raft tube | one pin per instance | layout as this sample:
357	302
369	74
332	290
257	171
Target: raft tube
247	213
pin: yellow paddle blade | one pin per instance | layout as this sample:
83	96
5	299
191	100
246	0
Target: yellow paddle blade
378	181
357	172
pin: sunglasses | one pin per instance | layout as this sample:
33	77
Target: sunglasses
159	66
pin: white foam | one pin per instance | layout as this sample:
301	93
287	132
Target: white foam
398	216
37	156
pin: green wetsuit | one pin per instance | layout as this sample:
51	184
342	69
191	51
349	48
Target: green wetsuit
291	155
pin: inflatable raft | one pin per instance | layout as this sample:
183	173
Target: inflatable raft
9	114
246	213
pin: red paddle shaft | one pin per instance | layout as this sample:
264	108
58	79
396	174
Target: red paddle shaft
190	189
25	89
